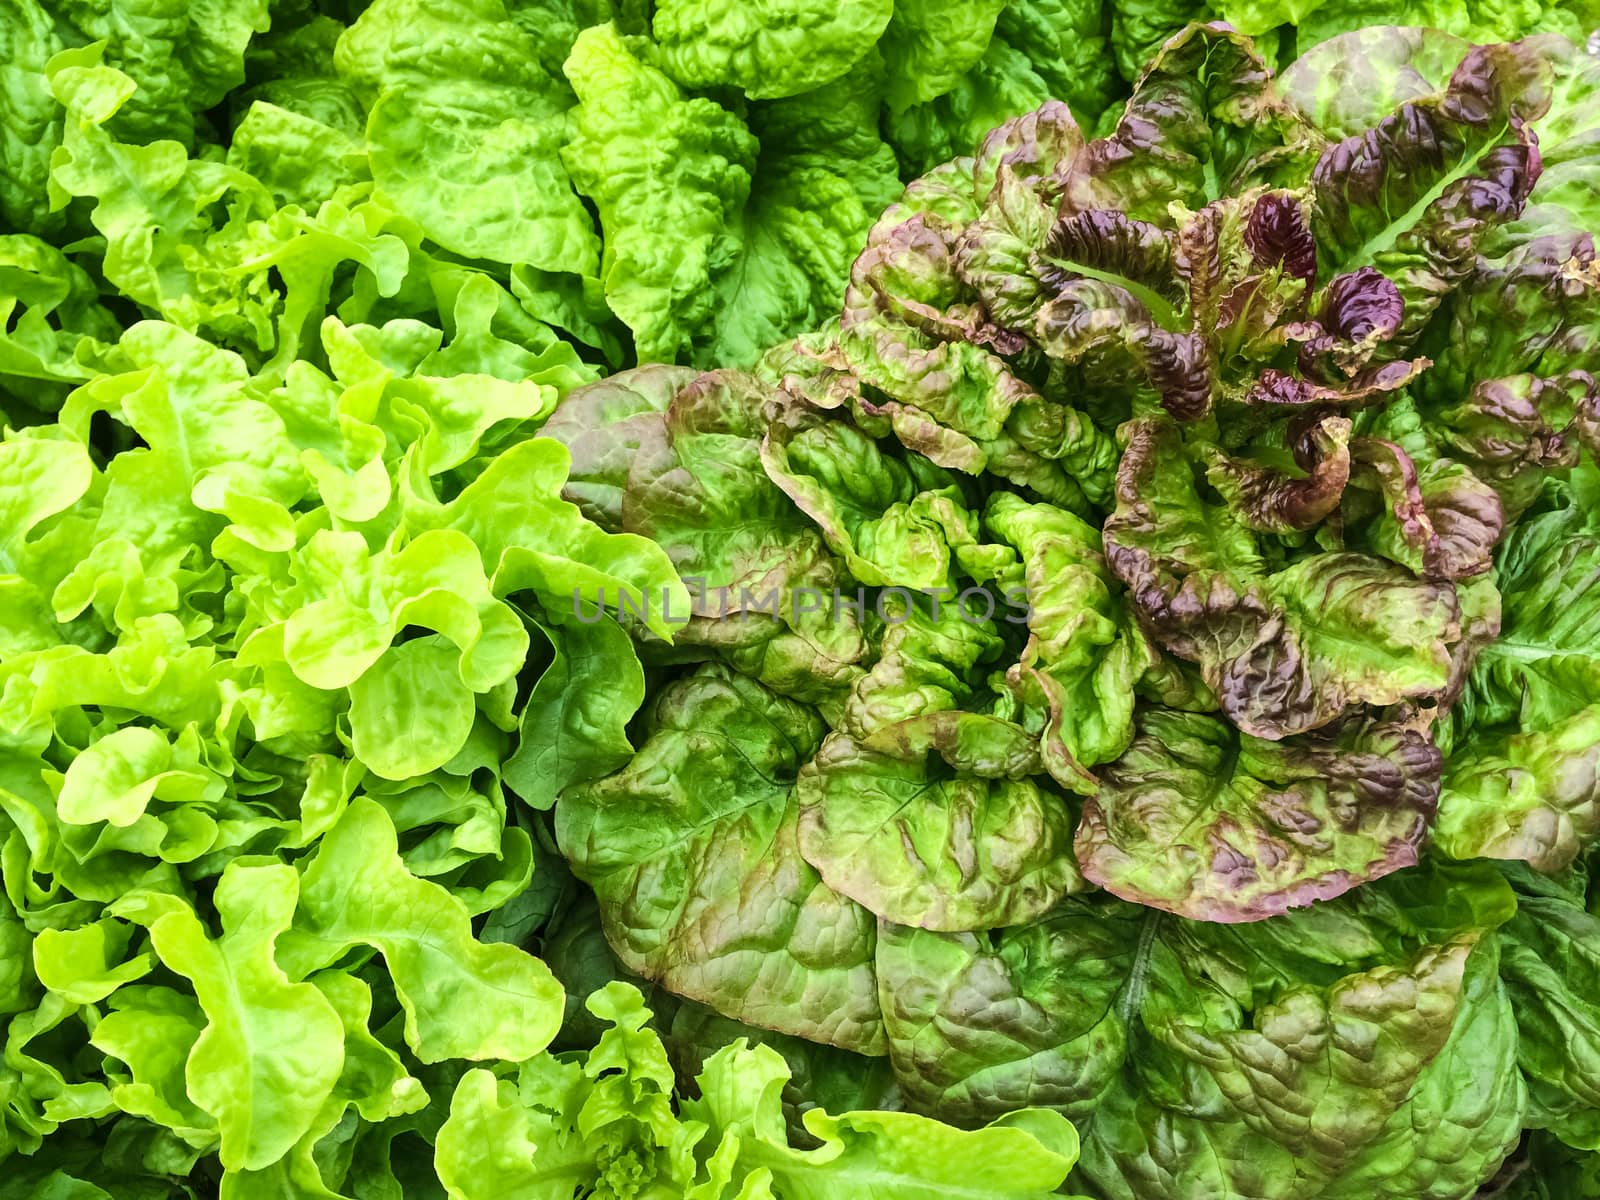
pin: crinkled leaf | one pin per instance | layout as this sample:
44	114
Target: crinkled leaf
1285	651
793	48
941	844
1218	826
1523	780
272	1048
692	850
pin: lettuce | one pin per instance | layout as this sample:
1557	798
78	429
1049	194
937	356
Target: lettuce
606	1125
1305	621
261	658
795	600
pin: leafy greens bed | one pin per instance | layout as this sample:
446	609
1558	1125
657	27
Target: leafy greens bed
420	778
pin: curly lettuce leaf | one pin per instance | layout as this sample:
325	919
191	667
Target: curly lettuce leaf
1187	133
462	998
42	478
607	1123
1024	1155
560	1126
1418	193
56	327
1285	651
527	537
198	240
272	1048
821	1076
1085	653
1441	519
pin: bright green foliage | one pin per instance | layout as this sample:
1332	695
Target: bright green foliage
606	1122
259	653
767	54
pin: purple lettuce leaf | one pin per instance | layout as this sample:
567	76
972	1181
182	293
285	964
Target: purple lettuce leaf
1210	824
1270	499
603	425
1420	192
1285	650
1515	430
1203	115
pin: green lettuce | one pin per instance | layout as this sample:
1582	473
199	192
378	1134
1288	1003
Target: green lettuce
1338	1049
268	602
606	1122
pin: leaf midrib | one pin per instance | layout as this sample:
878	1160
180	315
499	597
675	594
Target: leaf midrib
1385	239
